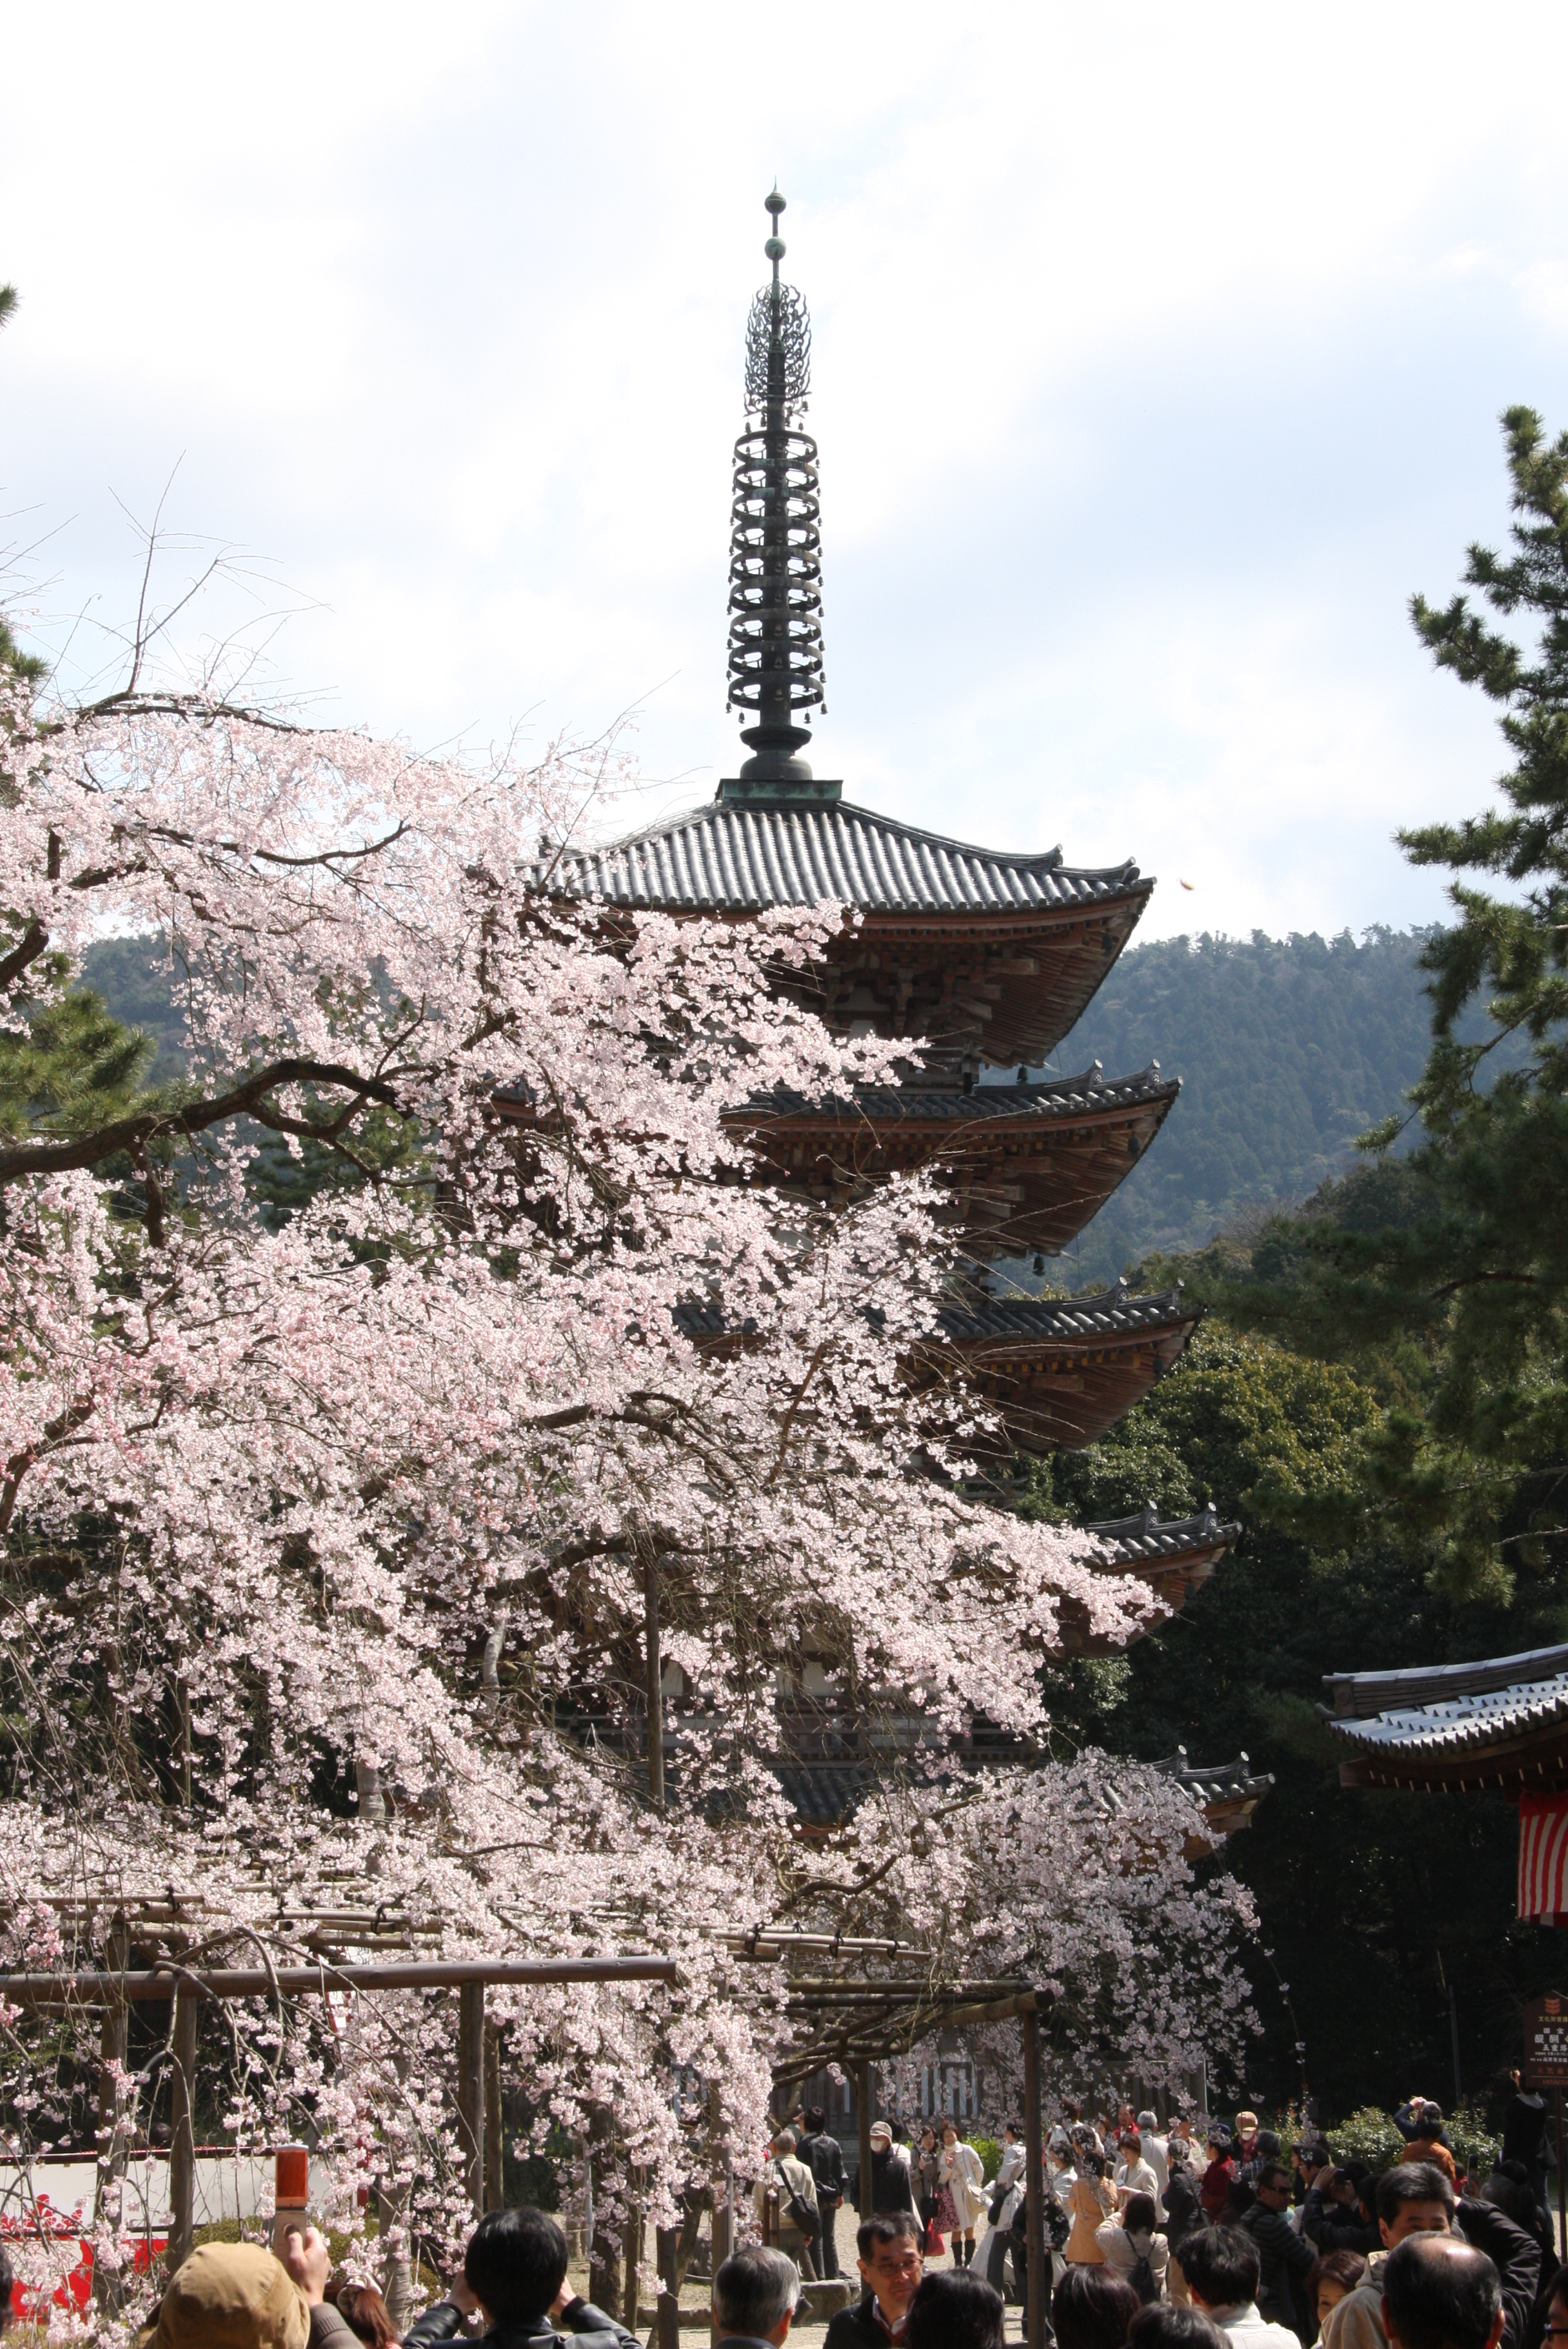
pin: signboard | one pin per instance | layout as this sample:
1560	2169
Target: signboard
1546	2041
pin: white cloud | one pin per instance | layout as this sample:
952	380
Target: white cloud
1158	355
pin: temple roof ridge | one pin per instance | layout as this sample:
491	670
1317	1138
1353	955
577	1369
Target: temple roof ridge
799	852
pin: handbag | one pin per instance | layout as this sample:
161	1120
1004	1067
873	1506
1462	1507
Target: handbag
932	2246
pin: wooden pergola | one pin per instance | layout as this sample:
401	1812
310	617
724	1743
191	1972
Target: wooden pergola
858	2020
187	1987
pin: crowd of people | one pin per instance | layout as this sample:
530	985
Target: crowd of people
1217	2237
1171	2239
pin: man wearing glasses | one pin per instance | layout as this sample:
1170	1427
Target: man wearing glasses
889	2265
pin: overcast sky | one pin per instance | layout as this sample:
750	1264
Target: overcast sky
1158	357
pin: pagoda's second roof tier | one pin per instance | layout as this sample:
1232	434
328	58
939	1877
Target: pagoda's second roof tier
745	859
1026	1167
1061	1371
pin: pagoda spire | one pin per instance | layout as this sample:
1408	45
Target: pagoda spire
775	550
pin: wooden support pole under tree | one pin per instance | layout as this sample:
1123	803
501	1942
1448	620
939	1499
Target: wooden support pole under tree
183	2131
667	2331
722	2239
471	2091
1035	2177
636	2186
495	2149
653	1661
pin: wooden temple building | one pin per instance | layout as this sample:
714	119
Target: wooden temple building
982	959
1497	1726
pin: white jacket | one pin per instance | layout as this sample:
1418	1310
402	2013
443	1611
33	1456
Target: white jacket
1248	2330
1123	2251
963	2173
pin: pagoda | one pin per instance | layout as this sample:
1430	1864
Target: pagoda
982	958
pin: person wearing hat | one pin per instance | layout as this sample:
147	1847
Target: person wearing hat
237	2296
888	2188
1214	2188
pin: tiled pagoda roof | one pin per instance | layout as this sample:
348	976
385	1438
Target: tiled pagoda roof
1090	1090
1060	1321
1151	1540
746	858
1501	1722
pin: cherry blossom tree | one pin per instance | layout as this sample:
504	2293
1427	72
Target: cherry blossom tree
326	1537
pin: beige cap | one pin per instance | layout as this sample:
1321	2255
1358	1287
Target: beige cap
231	2296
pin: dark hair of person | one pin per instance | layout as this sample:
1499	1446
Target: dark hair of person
1089	2165
1130	2140
1442	2292
816	2121
1166	2325
1512	2196
885	2227
754	2290
1221	2266
363	2312
1346	2269
1092	2308
954	2309
516	2263
1137	2219
7	2286
1271	2170
1431	2118
1413	2181
1072	2108
1330	2179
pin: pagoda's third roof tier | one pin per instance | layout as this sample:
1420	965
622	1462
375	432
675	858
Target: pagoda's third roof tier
1061	1371
1027	1167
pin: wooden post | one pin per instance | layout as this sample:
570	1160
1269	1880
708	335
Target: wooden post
633	2246
654	1663
471	2091
113	2144
722	2239
667	2333
1562	2181
863	2099
1034	2171
495	2147
603	2260
182	2135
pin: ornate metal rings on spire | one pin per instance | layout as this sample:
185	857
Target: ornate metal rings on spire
775	546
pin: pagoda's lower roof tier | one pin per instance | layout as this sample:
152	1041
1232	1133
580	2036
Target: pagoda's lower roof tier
979	953
1061	1371
1175	1555
1027	1167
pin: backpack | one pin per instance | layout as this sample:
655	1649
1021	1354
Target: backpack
1140	2276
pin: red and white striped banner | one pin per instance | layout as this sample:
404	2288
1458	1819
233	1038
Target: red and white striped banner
1544	1858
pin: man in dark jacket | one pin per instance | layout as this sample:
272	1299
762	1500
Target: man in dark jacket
1284	2256
888	2188
514	2273
1525	2136
824	2157
890	2268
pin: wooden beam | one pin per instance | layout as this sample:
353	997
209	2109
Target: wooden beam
182	2133
471	2091
1035	2177
256	1981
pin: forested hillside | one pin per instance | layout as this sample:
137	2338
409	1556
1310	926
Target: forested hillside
1286	1050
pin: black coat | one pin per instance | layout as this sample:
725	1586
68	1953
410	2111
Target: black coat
1524	2131
1284	2257
890	2189
824	2157
443	2321
857	2327
1184	2211
1517	2259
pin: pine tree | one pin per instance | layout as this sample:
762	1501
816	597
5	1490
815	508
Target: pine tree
1470	1460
